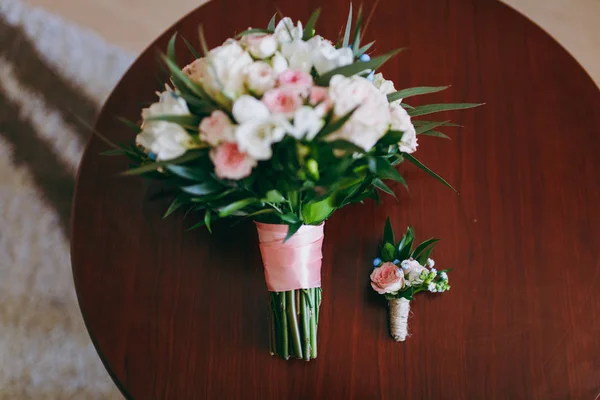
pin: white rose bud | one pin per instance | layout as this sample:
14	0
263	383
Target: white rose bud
400	121
299	55
326	57
385	86
247	108
260	77
260	46
285	31
255	137
279	63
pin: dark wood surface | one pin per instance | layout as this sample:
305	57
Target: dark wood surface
178	315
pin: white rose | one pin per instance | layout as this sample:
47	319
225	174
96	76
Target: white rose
299	55
279	63
260	77
261	46
326	57
247	109
400	121
222	73
165	139
412	271
385	86
285	31
255	137
307	123
370	121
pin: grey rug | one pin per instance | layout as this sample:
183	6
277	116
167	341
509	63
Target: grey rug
53	78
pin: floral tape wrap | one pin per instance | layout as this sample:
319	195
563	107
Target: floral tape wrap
295	264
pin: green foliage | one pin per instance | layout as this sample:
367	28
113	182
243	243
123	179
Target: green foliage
405	93
309	28
433	108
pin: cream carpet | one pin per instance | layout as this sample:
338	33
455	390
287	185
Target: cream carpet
53	76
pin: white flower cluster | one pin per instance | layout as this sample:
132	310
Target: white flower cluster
265	91
416	274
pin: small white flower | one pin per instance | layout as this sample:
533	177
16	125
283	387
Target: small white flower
298	54
279	63
400	121
256	136
261	46
430	262
165	139
433	271
285	31
247	108
444	276
307	123
405	264
260	77
326	57
431	287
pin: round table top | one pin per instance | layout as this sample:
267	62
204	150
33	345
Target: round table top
181	315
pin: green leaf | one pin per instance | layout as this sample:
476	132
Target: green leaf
357	67
407	106
405	245
433	108
130	124
193	174
422	166
181	79
420	122
391	137
201	189
171	47
191	49
420	248
273	196
261	212
206	52
315	213
271	26
387	252
290	218
422	255
436	134
236	206
388	233
405	93
429	126
356	36
378	183
175	205
336	125
385	170
207	218
364	49
192	155
186	121
309	29
346	40
252	31
341	144
292	229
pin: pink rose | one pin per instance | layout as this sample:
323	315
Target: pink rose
216	129
387	278
319	97
299	80
230	162
282	101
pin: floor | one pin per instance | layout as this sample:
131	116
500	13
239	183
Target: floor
133	24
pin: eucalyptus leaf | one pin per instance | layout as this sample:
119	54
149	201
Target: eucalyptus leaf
433	108
436	134
415	91
420	122
422	166
429	126
309	29
191	49
364	49
271	26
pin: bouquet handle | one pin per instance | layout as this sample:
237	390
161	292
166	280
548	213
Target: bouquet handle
399	310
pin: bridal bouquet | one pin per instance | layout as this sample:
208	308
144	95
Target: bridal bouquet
284	127
402	271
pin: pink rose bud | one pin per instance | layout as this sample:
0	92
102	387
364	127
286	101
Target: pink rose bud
388	278
319	97
296	79
282	101
230	162
216	129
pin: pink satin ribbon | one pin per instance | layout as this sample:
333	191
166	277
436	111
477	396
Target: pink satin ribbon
295	264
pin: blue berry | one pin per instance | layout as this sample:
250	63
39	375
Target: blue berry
376	262
396	261
371	76
365	58
152	156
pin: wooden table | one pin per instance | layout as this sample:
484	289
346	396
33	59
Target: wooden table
179	315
